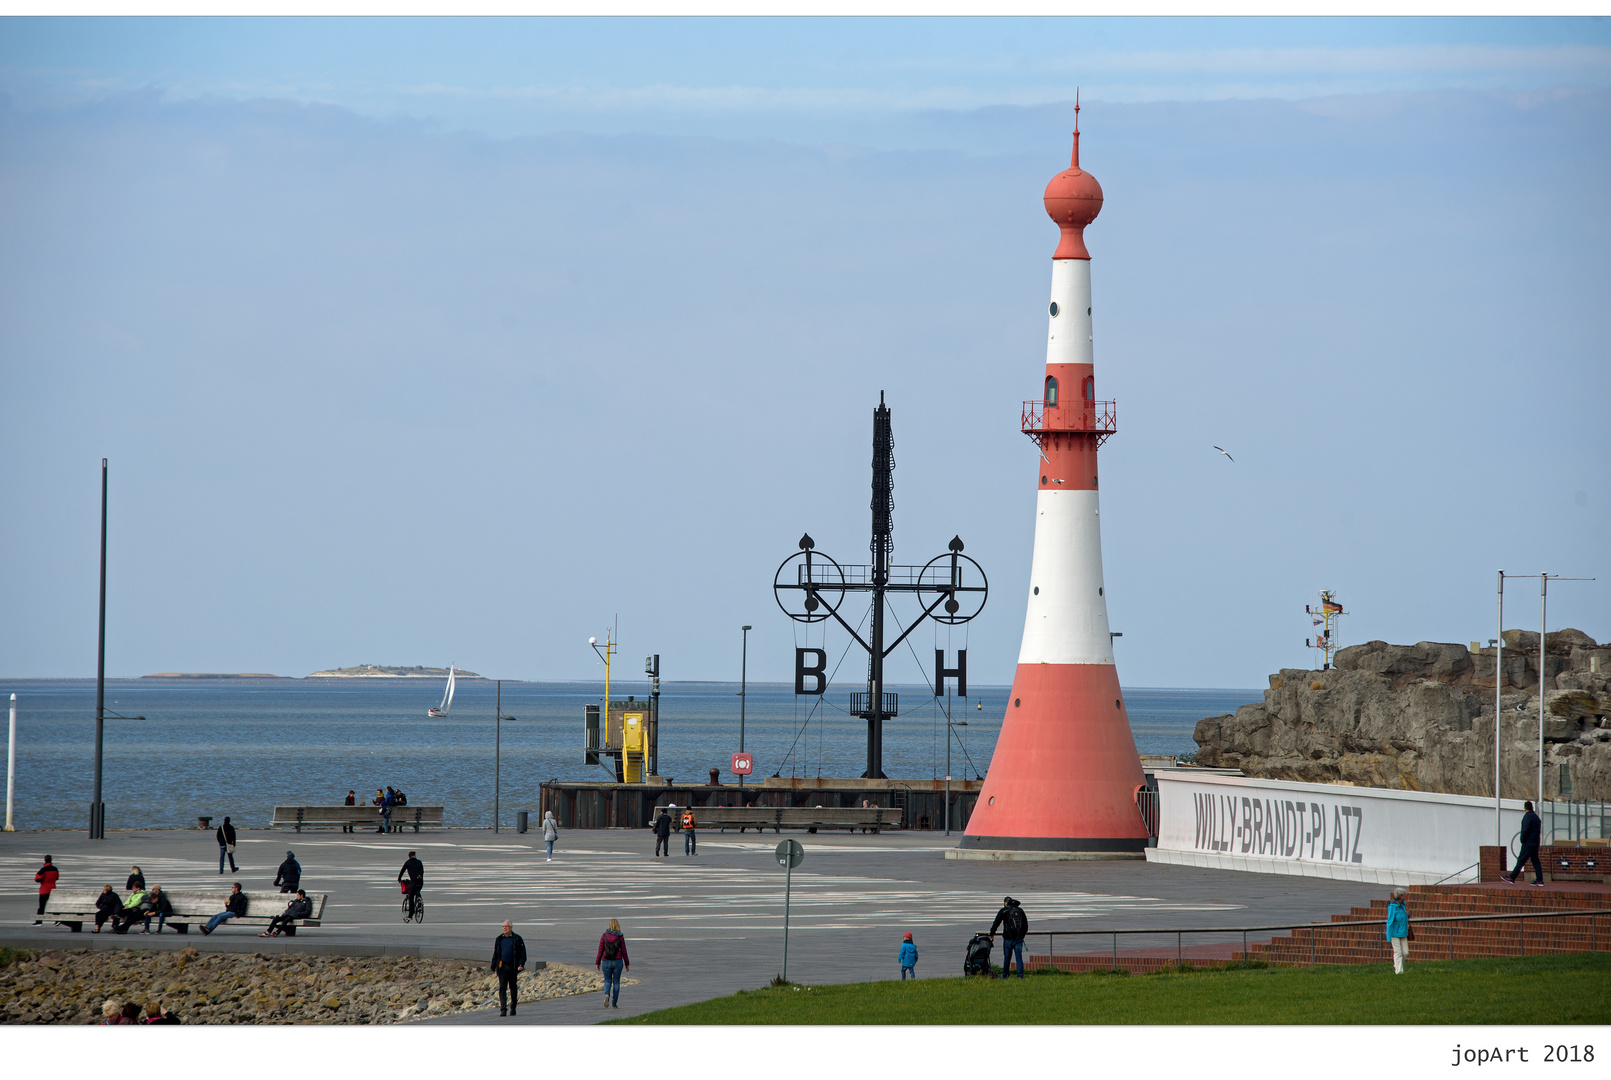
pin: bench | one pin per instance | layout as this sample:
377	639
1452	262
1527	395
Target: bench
300	817
75	907
778	818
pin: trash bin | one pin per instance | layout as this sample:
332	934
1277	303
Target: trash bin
520	821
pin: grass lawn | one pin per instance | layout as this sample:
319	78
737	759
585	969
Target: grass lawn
1574	989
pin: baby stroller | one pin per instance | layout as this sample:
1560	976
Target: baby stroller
977	960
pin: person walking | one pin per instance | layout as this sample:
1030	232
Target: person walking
290	873
1532	828
662	834
690	844
1014	928
908	957
226	846
414	871
300	908
386	803
550	832
136	880
46	876
508	960
1399	933
234	908
612	959
107	905
352	800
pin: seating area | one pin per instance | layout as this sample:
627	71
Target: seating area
361	817
75	907
777	818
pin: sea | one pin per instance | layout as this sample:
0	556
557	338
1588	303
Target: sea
211	747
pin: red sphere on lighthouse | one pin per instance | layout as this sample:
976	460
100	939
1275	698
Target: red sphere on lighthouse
1065	773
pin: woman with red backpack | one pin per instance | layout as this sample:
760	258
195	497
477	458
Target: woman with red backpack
612	960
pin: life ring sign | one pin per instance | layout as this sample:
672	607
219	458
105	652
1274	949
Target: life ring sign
743	764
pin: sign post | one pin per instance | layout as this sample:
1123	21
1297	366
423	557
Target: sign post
743	764
789	855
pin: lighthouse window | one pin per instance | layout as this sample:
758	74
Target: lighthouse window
1099	590
1054	309
1043	481
1037	590
1051	390
1016	702
1090	388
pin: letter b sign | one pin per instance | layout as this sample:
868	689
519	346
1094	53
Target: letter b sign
817	670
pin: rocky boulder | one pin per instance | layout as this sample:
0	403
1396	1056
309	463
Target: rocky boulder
1421	717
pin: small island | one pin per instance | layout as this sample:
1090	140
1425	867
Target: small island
383	671
212	675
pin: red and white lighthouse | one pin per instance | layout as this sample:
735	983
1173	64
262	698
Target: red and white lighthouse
1065	772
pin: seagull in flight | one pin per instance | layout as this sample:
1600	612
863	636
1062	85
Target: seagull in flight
1222	450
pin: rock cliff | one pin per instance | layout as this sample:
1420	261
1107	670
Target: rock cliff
1422	717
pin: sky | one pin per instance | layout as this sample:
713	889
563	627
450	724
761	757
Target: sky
431	341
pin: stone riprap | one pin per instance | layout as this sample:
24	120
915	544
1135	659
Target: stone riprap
1420	717
70	986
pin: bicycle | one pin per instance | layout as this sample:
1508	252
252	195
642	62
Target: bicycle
413	907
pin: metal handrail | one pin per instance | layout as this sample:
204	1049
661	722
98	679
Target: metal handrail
1321	926
1181	932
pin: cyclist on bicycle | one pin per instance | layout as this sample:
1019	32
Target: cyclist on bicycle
414	870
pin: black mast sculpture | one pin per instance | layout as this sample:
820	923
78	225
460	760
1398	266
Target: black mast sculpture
821	585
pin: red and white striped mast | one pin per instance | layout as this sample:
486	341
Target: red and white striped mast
1065	772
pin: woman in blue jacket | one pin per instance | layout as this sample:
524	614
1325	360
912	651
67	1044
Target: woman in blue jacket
908	958
1398	930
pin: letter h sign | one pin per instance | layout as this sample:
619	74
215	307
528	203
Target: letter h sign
960	672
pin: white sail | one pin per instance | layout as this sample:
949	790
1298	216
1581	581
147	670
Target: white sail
447	696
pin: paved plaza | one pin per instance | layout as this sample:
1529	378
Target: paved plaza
697	927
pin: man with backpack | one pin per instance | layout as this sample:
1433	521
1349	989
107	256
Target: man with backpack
1014	928
690	845
290	873
662	834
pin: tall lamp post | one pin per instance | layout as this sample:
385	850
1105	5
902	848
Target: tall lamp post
497	753
97	829
743	690
949	724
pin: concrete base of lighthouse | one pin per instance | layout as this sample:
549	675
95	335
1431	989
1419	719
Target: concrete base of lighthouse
1026	855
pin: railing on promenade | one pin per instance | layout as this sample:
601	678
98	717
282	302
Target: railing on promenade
1229	932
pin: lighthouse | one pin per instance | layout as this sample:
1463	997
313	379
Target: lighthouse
1065	774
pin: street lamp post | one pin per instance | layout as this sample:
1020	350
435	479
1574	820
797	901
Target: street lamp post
97	830
743	691
949	724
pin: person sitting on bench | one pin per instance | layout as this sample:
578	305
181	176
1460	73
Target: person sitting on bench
156	904
300	908
107	905
130	913
234	907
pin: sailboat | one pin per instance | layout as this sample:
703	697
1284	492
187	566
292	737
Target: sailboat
447	697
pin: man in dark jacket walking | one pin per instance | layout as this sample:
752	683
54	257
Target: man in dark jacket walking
1014	928
46	877
508	960
226	846
290	874
234	908
1532	828
662	835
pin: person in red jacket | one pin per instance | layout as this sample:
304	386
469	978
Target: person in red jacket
47	881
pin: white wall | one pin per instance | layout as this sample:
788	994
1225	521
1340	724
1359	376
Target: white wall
1323	830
